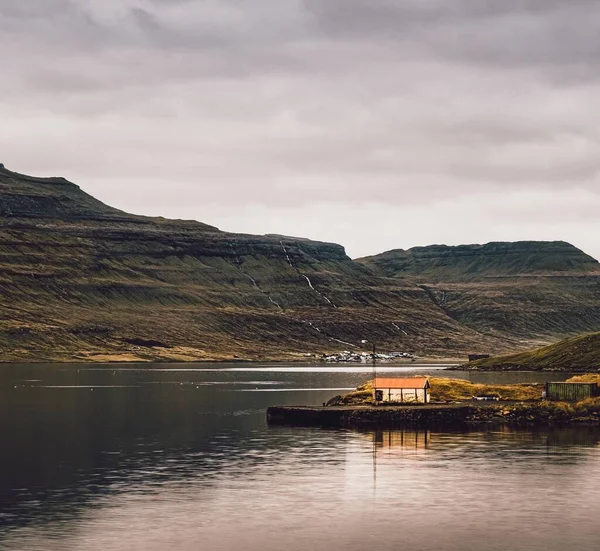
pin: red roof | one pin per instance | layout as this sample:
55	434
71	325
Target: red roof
395	382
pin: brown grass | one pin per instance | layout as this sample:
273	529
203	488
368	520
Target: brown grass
579	353
587	378
445	389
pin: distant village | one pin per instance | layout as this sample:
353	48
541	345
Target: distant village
365	357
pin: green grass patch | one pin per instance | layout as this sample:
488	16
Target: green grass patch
580	353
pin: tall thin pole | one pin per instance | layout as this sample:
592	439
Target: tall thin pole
374	363
365	341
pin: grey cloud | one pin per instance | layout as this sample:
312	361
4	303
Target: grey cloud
303	102
33	8
514	32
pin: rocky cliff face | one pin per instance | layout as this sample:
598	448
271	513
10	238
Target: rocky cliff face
81	280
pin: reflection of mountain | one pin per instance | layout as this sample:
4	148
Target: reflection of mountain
410	467
75	451
566	438
65	449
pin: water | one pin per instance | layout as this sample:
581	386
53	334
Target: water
179	457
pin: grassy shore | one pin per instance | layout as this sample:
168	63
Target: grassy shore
445	389
577	354
521	404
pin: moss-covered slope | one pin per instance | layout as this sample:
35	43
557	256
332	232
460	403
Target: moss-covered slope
80	280
580	353
497	259
525	289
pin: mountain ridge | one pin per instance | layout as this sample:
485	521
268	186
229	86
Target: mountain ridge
549	289
490	259
82	281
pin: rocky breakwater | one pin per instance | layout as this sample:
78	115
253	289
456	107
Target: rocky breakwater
450	416
374	416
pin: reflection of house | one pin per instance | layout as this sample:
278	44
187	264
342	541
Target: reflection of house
392	389
402	440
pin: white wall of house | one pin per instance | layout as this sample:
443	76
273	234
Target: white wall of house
417	395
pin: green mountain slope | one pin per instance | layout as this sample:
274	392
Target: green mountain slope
580	353
468	262
546	289
81	280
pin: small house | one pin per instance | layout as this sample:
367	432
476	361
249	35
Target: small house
571	391
407	390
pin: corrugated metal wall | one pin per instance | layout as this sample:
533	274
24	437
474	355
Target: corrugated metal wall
570	391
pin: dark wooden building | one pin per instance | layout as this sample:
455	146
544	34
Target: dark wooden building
571	391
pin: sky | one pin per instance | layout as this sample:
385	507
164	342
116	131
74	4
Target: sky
376	124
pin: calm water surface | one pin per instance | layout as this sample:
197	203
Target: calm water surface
179	457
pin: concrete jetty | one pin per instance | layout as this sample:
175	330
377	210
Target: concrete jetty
441	415
456	415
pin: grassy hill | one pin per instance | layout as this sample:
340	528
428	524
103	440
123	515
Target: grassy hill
474	262
547	289
80	280
580	353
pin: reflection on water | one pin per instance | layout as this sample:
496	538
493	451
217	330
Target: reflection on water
388	441
132	459
396	442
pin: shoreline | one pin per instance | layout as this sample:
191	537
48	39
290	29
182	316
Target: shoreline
433	362
520	369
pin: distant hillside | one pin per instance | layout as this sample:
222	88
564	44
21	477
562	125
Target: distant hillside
467	262
80	280
581	353
548	289
30	197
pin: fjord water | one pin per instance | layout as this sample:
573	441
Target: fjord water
180	457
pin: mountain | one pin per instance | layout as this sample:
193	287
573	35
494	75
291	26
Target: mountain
80	280
474	262
580	353
526	289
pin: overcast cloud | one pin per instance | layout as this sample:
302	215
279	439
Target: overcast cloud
376	124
